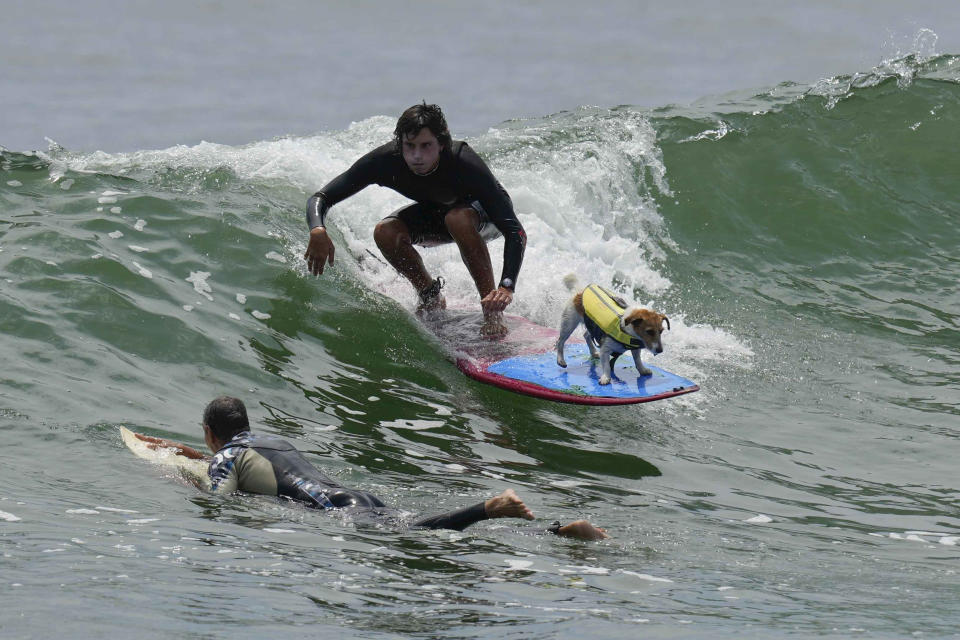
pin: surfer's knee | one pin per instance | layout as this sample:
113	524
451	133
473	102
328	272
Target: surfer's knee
390	233
462	224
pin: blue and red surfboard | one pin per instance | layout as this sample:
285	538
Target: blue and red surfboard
525	362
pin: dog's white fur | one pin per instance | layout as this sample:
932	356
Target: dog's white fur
643	324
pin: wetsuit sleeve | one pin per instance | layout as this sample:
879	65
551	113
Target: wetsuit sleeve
482	185
362	174
457	520
223	471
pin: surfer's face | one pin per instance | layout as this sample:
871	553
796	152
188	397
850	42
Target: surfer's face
422	151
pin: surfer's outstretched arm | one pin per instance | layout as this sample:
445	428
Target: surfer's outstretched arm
506	505
181	449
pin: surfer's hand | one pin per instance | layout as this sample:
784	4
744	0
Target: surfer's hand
320	250
496	300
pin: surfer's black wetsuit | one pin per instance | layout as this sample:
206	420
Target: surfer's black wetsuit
271	466
460	179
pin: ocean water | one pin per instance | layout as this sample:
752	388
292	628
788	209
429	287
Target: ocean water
801	237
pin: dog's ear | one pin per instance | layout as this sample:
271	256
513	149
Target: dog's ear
663	319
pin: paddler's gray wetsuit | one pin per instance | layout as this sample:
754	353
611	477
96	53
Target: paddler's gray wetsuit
273	467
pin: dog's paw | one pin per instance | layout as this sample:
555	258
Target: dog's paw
644	371
562	363
604	379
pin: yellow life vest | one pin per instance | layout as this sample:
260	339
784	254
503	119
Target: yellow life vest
602	311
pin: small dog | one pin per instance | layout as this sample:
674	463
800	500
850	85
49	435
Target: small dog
611	325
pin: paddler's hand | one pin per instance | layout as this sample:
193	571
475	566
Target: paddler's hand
320	250
496	301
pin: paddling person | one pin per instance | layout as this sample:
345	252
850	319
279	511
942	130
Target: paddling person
267	465
456	199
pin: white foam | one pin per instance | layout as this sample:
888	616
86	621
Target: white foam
115	234
140	225
514	564
138	248
598	571
66	184
199	281
9	517
242	299
352	412
116	209
142	520
14	183
143	271
107	199
456	468
759	519
645	576
260	315
84	511
580	203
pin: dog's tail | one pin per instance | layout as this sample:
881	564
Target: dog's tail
570	281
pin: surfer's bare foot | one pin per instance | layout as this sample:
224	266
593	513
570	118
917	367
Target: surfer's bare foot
432	306
507	505
430	298
582	530
493	326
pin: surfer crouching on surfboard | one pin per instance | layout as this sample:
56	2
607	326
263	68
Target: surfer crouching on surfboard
456	199
267	465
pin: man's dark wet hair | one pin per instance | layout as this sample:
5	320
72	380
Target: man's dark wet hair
416	118
226	417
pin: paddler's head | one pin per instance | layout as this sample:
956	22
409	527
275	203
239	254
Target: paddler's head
421	135
224	418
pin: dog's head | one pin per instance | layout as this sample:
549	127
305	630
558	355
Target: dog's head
646	325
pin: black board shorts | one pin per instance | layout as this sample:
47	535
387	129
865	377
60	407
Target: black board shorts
426	226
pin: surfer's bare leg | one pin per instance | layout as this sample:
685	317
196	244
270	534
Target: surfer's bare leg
507	505
462	224
393	239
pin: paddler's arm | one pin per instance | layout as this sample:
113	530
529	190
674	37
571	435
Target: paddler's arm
320	247
181	449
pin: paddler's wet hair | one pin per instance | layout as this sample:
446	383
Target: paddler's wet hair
416	118
226	417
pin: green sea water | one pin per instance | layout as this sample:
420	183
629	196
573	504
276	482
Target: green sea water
803	241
